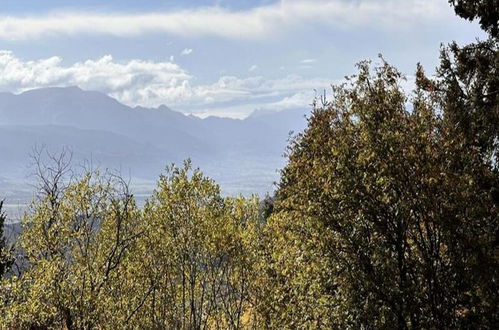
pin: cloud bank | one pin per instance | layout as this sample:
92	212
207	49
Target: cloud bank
150	84
257	23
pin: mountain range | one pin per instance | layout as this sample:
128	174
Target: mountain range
243	155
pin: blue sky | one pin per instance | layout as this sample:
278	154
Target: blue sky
225	58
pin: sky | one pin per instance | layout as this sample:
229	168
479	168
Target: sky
221	58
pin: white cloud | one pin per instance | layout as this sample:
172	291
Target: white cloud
150	84
186	51
252	68
230	88
130	81
256	23
308	61
296	100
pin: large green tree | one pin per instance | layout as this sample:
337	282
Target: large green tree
380	220
387	214
467	85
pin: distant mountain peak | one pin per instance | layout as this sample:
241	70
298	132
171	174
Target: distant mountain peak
98	127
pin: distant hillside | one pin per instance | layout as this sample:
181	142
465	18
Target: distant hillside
141	141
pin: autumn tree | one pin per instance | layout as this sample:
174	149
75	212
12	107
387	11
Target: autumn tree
88	257
195	258
73	247
380	217
387	214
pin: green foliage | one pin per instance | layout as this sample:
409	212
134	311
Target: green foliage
379	220
93	259
486	11
195	256
468	87
74	247
468	81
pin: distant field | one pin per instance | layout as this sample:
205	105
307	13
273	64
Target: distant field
14	211
235	178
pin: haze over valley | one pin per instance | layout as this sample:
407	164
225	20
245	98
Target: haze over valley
242	155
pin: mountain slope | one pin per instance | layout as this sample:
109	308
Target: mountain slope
139	140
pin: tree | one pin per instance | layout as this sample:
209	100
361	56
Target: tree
467	86
195	258
4	257
379	219
467	91
73	245
486	11
90	258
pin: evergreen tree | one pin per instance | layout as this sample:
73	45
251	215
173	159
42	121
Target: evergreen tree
486	11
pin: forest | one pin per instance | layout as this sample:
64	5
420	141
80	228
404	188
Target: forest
386	216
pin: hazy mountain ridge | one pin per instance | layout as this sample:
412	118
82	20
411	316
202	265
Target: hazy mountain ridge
139	140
